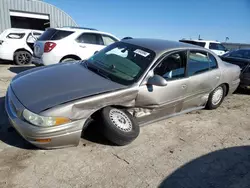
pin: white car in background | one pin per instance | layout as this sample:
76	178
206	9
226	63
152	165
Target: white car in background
214	46
69	44
17	45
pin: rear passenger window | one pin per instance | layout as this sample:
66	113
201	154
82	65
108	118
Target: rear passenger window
201	44
198	62
107	40
212	62
90	38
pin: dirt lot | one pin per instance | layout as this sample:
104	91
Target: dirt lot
204	149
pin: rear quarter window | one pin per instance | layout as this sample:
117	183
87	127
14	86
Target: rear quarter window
54	34
201	44
199	62
15	35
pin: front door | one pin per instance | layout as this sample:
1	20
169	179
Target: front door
160	101
204	75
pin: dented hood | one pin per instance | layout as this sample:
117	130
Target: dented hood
43	88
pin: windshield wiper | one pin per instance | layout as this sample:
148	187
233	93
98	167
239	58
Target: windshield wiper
97	71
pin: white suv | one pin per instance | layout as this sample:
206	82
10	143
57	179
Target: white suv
17	45
68	44
214	46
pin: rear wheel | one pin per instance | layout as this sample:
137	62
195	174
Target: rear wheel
216	97
119	126
68	60
22	58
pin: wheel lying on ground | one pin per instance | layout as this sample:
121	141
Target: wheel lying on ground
119	126
216	97
22	58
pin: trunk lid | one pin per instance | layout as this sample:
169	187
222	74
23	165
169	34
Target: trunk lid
50	35
38	48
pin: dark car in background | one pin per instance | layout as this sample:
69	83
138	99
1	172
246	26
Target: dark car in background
240	57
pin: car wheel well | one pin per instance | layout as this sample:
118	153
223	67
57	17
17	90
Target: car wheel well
227	88
21	49
95	115
70	56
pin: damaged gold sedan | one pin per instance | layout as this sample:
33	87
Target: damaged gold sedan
124	86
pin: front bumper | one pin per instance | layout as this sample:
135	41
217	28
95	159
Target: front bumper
59	136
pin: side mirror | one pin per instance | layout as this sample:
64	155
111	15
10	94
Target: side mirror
157	81
96	52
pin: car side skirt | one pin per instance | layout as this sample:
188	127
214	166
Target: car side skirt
144	120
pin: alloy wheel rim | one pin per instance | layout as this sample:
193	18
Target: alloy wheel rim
217	96
23	58
120	120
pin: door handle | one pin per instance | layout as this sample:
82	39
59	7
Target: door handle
82	46
184	86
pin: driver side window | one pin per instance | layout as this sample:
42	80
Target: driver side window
172	67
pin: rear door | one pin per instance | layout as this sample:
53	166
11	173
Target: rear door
12	41
88	44
31	39
204	75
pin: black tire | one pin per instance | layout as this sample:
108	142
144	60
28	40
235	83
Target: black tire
210	104
115	134
68	60
22	58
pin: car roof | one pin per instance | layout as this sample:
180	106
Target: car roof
201	40
22	30
160	46
80	30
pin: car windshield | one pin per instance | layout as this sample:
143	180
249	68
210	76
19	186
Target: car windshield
121	62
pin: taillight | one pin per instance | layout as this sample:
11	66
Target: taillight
48	46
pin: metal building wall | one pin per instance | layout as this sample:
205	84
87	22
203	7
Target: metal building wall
58	18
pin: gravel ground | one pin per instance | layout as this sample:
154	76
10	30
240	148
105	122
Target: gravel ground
205	149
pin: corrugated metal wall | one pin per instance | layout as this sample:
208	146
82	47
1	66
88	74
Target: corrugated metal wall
58	18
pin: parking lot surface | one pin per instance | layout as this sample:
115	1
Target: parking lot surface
200	149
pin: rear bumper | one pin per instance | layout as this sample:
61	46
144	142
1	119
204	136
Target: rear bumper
36	61
46	59
58	137
6	54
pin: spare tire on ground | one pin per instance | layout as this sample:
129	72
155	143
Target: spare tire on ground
119	126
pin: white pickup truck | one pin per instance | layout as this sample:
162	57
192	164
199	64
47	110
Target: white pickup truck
214	46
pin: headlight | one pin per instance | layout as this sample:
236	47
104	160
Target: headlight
43	121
